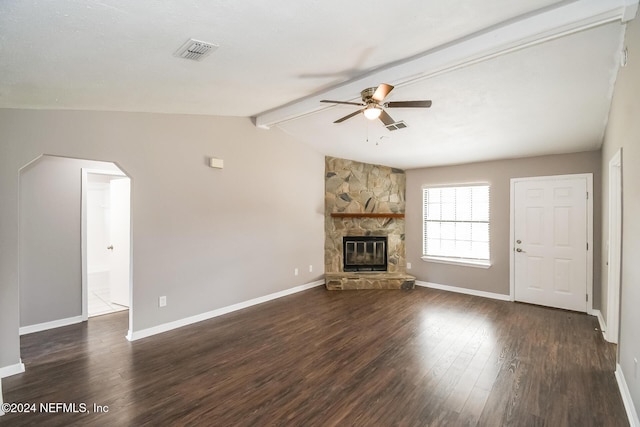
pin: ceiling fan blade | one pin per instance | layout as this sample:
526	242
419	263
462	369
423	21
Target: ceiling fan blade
348	116
381	92
386	118
342	102
408	104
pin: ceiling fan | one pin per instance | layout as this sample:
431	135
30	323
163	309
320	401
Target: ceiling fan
374	107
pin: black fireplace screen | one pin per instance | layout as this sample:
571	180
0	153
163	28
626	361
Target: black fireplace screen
365	253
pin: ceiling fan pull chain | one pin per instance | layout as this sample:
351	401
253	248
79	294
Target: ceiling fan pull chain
367	130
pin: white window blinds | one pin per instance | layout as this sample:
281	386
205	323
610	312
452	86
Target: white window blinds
456	222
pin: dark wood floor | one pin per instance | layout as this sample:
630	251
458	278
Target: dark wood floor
354	358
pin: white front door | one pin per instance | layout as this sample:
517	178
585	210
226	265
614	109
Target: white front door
120	190
550	239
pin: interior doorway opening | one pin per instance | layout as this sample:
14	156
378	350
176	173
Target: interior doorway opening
53	240
106	237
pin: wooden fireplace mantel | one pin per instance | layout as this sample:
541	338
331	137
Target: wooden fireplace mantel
366	215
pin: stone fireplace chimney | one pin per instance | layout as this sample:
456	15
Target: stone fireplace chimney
366	203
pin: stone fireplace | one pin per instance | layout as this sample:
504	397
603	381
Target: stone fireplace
364	203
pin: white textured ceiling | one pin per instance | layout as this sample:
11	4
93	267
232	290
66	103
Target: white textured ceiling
550	98
117	55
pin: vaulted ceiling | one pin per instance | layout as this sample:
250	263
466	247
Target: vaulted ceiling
507	79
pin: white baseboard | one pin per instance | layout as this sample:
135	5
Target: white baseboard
601	322
7	371
632	414
50	325
467	291
136	335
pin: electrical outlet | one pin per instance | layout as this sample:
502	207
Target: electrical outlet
310	268
408	266
162	301
295	271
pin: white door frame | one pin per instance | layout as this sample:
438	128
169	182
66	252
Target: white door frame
512	278
615	247
83	238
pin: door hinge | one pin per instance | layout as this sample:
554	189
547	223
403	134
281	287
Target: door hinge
587	195
587	297
587	245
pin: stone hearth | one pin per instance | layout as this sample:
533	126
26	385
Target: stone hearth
364	200
354	281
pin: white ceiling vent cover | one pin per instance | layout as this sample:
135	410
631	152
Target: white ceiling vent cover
397	125
195	50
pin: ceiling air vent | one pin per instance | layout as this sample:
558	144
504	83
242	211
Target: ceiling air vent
397	125
195	50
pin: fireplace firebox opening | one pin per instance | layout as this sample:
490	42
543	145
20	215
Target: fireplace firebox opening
364	253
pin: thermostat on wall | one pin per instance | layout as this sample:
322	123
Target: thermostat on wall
216	163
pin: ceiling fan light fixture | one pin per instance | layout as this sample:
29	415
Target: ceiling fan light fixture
374	107
372	112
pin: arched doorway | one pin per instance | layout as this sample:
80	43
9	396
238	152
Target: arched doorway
52	250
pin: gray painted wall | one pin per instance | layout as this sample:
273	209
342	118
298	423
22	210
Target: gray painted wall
623	131
50	268
203	237
498	174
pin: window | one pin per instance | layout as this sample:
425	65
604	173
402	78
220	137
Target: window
456	224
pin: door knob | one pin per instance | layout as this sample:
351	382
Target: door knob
519	250
110	247
518	241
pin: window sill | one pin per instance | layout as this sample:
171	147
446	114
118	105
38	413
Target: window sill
458	261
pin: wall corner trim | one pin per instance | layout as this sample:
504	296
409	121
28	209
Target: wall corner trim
492	295
632	414
165	327
24	330
7	371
